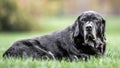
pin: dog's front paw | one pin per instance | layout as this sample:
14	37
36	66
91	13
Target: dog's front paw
84	57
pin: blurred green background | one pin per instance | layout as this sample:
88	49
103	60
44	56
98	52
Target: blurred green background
21	19
47	15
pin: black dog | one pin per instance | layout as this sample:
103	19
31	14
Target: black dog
86	37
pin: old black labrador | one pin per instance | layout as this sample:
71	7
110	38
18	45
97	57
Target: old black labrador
85	38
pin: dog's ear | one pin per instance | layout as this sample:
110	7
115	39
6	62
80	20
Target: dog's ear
103	29
76	27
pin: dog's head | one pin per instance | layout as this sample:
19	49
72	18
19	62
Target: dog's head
91	26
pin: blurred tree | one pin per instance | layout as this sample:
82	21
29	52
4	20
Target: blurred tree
11	18
7	9
42	7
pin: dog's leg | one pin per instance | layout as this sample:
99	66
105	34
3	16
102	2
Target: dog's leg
49	53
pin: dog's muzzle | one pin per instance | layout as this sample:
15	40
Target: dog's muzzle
89	34
89	31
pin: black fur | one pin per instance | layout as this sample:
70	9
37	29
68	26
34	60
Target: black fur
67	43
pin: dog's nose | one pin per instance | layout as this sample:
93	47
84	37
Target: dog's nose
88	28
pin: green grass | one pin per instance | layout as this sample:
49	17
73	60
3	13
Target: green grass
111	59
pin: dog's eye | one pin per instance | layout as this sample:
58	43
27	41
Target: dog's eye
95	20
84	20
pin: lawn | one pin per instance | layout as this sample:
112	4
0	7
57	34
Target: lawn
111	59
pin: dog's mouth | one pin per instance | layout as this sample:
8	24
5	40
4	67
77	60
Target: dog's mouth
90	37
89	40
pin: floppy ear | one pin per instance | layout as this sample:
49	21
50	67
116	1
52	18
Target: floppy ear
76	28
103	29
